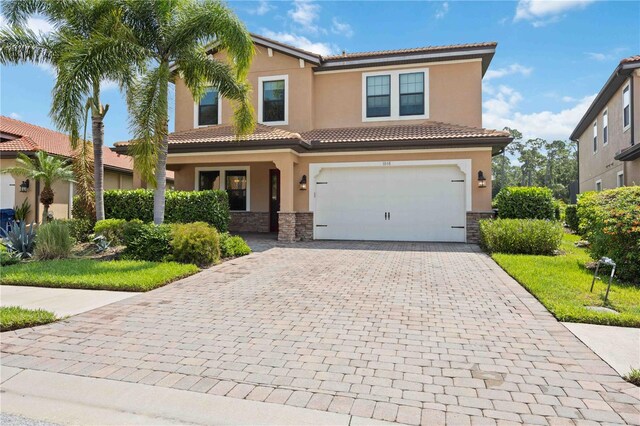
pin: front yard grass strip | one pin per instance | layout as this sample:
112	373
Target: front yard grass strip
15	317
561	283
120	275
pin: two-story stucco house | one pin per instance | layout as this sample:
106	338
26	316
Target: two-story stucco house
382	145
608	134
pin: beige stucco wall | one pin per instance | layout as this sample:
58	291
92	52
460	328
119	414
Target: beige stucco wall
601	164
260	163
334	99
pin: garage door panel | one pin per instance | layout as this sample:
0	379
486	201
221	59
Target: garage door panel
424	203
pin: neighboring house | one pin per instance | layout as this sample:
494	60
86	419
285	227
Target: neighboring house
18	136
608	135
382	145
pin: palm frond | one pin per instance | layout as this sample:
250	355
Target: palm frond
18	45
148	110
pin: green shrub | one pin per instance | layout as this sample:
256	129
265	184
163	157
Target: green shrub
610	221
79	210
7	258
147	242
571	217
80	229
195	243
520	236
111	229
211	207
53	240
525	203
233	246
131	230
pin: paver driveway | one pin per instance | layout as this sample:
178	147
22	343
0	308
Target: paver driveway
410	332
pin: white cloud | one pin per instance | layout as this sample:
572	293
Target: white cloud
569	99
262	8
39	25
305	13
543	12
511	69
108	85
597	56
302	42
341	28
15	116
500	111
442	10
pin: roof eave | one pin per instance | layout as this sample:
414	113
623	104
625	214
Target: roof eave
629	154
241	145
613	83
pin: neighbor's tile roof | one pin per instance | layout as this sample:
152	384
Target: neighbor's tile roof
31	138
428	130
424	49
220	134
630	59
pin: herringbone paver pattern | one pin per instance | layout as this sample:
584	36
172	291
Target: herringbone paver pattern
408	332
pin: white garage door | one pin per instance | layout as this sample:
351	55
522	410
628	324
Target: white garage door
7	191
393	203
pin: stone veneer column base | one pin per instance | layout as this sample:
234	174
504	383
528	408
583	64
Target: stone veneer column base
249	222
473	226
295	226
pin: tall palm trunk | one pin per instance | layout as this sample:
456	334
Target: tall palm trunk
97	131
161	165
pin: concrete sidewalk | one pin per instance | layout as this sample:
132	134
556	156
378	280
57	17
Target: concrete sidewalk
617	346
61	301
68	399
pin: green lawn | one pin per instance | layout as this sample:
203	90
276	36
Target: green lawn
15	317
562	284
122	275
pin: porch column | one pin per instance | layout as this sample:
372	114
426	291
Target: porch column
286	215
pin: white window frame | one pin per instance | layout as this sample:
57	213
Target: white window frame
594	141
605	127
626	103
620	179
223	180
599	185
196	114
261	81
394	76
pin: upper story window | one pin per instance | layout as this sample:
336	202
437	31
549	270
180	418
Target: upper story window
595	137
412	93
605	127
626	108
208	109
273	102
395	95
379	96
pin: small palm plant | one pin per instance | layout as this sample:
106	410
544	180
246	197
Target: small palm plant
45	168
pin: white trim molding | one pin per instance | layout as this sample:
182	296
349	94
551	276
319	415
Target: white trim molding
223	179
605	127
626	102
261	81
394	94
196	113
464	164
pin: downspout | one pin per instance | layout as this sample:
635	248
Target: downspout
632	112
37	202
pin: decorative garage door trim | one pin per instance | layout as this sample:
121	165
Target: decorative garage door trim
463	164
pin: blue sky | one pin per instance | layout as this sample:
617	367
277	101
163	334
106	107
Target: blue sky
552	56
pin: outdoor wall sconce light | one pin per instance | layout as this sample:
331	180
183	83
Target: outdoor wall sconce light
303	183
24	186
482	181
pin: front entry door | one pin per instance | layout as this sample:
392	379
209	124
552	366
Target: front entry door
274	199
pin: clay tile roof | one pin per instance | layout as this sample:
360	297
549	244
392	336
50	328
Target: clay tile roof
425	49
630	59
31	138
429	130
227	134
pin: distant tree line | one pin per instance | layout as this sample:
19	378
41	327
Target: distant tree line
538	163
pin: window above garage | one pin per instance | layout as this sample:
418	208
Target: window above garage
395	95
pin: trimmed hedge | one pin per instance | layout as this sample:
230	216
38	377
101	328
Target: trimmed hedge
111	229
211	207
147	241
520	236
526	202
196	243
571	217
233	246
610	221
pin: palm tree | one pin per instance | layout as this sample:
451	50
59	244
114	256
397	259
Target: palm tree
45	168
77	88
174	32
